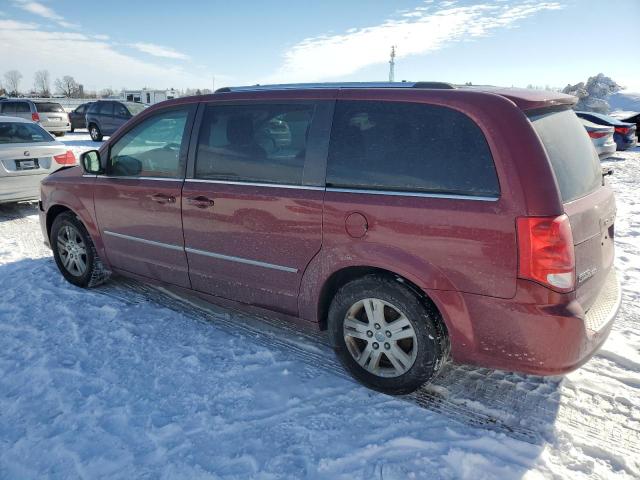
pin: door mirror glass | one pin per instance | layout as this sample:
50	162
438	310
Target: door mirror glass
91	162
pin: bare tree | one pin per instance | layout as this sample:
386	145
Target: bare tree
106	92
42	83
67	86
12	81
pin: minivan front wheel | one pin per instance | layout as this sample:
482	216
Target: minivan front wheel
74	252
385	335
96	134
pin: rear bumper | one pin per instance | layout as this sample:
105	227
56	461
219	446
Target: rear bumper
538	331
56	127
20	187
626	143
606	150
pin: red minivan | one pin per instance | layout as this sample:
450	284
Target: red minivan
415	221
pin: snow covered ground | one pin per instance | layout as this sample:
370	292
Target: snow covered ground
129	381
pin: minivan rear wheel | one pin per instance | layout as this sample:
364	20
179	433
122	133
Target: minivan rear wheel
75	253
385	335
96	134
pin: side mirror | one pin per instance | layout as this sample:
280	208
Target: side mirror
90	162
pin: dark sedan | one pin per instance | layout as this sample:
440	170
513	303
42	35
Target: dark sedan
630	117
624	133
77	116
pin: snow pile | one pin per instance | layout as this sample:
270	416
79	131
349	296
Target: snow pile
626	101
593	95
127	381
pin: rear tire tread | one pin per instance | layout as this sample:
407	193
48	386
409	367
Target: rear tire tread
432	352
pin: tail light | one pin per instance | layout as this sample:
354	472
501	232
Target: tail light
623	130
35	116
66	158
545	252
598	134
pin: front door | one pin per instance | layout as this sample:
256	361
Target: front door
252	213
138	201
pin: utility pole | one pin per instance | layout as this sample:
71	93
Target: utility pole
392	63
213	84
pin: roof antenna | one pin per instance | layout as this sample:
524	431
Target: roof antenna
392	63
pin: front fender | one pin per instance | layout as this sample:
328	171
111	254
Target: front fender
74	191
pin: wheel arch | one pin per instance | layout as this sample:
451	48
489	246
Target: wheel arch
83	212
52	213
341	277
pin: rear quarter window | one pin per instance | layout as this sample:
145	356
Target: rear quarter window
573	158
409	147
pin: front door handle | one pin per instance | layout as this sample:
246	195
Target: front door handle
162	198
200	201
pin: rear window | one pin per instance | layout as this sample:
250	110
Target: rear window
573	158
134	108
49	107
409	147
22	107
17	132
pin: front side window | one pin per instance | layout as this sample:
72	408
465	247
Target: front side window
409	147
14	132
152	148
264	143
121	111
135	109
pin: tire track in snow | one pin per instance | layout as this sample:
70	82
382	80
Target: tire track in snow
523	407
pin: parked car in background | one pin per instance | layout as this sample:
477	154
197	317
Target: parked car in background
50	115
601	137
28	153
358	208
77	117
629	117
104	117
624	133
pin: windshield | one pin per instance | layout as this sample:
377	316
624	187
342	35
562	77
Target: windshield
49	107
18	132
573	158
135	108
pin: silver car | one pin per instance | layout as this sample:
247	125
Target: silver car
602	138
28	153
50	115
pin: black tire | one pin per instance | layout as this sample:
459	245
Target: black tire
95	272
430	339
72	130
94	131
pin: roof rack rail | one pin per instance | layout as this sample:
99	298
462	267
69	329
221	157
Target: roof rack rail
443	85
338	85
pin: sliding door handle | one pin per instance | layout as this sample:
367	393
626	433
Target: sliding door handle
163	198
200	201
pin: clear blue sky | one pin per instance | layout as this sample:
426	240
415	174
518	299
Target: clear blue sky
183	44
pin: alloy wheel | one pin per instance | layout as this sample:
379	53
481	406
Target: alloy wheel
72	250
380	338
